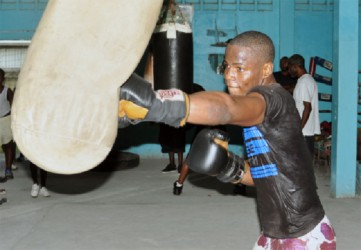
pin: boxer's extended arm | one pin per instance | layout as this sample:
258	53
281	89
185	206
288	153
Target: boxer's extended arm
139	102
209	155
215	108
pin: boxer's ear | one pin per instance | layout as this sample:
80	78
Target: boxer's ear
267	69
65	111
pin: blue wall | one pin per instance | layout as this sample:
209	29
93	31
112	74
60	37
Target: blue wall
19	18
303	27
313	37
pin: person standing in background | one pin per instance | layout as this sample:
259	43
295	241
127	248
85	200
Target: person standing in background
37	189
305	95
172	141
283	77
6	137
184	169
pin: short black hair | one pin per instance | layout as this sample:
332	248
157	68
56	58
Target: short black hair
259	42
284	58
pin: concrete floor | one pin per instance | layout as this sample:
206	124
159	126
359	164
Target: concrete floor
134	208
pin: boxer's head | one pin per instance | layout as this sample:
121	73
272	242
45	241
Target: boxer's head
248	62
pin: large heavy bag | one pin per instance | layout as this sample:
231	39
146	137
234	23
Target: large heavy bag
64	115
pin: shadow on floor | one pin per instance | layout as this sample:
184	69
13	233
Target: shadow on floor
209	182
96	177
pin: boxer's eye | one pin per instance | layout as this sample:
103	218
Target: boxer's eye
240	69
225	66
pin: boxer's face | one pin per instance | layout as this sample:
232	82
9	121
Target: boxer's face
242	70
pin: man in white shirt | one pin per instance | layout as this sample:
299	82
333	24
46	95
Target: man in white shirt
305	95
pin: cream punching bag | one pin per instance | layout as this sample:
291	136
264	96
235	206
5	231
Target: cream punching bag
65	110
172	45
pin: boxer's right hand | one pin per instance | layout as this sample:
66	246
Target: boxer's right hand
139	102
209	155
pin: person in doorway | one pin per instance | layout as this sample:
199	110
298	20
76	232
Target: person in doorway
305	95
290	211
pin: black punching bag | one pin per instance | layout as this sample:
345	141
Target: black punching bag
172	45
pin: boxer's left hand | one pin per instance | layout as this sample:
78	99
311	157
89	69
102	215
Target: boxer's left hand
139	102
209	155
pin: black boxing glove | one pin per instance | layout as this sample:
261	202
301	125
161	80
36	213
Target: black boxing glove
139	102
209	155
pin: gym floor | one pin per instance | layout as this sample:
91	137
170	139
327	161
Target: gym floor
133	207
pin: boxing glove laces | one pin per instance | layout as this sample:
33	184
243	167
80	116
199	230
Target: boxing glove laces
209	155
139	102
